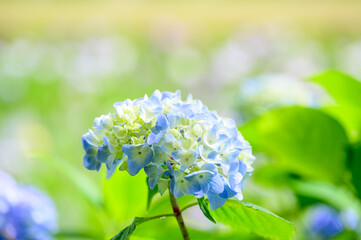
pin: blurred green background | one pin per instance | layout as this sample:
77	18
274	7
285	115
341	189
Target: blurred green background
62	63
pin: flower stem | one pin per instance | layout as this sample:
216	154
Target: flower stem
189	206
156	217
178	216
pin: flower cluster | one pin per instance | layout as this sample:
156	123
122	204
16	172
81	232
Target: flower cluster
180	144
25	212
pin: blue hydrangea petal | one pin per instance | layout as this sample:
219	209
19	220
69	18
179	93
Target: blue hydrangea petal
157	95
171	182
244	180
170	95
215	200
240	145
90	162
236	174
226	156
138	157
174	119
232	132
210	167
216	184
161	123
169	172
154	173
113	167
181	185
169	143
150	108
231	156
199	182
206	153
159	156
211	136
228	192
103	153
155	138
158	130
185	158
90	142
103	122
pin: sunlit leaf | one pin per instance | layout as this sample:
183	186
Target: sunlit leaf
125	196
343	88
305	141
346	91
252	218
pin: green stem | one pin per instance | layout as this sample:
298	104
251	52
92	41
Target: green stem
188	206
72	234
178	216
157	216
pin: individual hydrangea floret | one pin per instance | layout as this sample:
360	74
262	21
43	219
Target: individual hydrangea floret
180	144
25	212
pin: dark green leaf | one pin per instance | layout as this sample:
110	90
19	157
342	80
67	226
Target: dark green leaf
151	194
355	166
305	141
252	218
126	232
338	197
272	175
203	205
75	235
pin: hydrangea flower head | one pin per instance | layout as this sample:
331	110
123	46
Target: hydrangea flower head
180	144
25	212
325	222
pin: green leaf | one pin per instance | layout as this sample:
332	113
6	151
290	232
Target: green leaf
126	232
355	166
346	92
151	194
120	200
203	205
75	235
83	183
343	88
302	140
338	197
252	218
